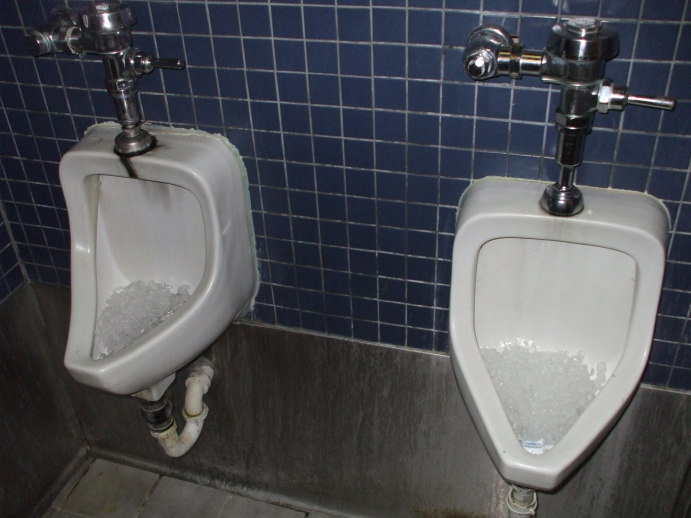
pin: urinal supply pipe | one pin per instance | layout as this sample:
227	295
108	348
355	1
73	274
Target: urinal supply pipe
521	501
195	411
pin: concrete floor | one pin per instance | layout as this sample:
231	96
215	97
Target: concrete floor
109	490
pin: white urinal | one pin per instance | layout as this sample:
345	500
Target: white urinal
584	287
176	216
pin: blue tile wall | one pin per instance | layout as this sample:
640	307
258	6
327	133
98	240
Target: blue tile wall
360	131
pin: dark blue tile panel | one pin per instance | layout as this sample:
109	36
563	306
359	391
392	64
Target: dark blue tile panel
360	132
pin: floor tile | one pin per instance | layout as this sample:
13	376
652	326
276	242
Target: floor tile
176	498
109	490
241	507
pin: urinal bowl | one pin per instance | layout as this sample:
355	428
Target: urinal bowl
176	216
588	283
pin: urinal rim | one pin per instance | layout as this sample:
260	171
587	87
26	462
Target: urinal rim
96	147
513	462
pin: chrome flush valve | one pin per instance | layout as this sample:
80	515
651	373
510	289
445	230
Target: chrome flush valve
104	28
574	58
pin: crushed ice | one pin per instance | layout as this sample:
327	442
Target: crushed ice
543	392
133	310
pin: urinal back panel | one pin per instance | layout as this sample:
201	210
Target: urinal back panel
560	296
148	231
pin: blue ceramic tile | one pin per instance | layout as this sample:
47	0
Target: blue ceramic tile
311	300
193	19
304	204
418	316
421	217
389	25
391	213
390	157
489	164
635	148
390	289
356	91
421	243
392	334
535	31
541	6
228	52
363	261
360	183
328	151
424	27
282	274
526	139
224	19
362	237
491	135
320	23
313	322
165	17
358	154
353	24
326	120
457	27
672	152
361	210
531	105
307	254
355	59
357	124
289	55
198	51
265	116
258	54
424	62
392	313
493	102
324	89
420	269
620	8
335	262
423	96
681	248
292	87
656	41
261	85
681	78
236	114
423	160
680	379
25	70
295	118
423	129
668	10
368	331
422	189
322	57
254	20
287	21
390	93
298	148
340	326
581	8
333	233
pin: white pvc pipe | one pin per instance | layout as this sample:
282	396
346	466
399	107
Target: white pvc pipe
195	412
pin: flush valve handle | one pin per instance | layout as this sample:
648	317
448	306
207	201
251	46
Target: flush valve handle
616	97
144	63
